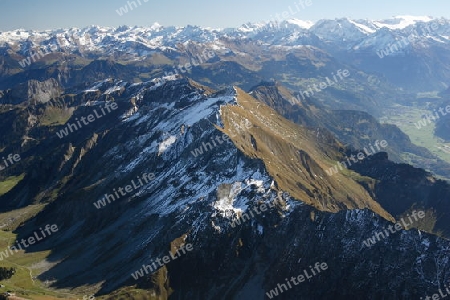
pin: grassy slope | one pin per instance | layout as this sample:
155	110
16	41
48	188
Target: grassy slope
405	117
9	183
28	265
55	116
294	157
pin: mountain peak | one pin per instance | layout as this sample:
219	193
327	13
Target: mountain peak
300	23
401	22
156	25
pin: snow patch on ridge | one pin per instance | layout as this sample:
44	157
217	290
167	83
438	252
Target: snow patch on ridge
401	22
225	204
364	28
166	144
301	23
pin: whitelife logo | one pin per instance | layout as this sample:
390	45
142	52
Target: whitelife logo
91	118
128	189
300	278
37	55
360	156
124	9
372	241
165	260
435	117
31	240
244	124
301	5
11	159
439	296
200	59
322	85
397	46
44	51
199	151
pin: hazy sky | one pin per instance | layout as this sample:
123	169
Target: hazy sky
49	14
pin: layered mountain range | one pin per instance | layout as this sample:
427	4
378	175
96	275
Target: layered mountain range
227	122
373	46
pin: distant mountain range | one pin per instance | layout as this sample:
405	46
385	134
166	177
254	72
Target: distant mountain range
380	47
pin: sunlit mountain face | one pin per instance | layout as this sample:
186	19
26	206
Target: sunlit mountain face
287	159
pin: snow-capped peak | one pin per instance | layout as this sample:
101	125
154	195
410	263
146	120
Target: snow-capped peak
156	26
139	42
301	23
363	27
401	22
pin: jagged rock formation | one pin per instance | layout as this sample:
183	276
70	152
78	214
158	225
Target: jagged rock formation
33	92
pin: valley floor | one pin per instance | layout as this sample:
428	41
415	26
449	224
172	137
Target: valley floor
406	118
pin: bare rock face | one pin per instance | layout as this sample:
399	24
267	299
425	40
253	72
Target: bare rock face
43	91
33	91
